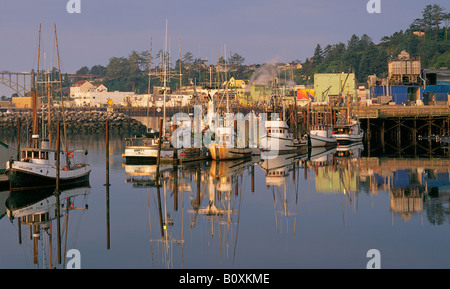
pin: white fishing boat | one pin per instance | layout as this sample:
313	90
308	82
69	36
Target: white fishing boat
37	166
322	136
278	139
37	169
348	132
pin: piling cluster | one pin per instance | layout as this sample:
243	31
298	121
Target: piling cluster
76	121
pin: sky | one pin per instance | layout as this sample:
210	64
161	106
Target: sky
258	30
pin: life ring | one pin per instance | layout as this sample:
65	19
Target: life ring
70	154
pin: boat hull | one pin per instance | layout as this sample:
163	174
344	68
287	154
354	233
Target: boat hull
225	153
281	145
149	155
322	141
349	138
21	179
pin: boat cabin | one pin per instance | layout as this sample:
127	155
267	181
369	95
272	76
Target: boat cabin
224	135
277	128
37	156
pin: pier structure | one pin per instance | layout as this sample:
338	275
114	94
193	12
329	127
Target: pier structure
402	127
386	127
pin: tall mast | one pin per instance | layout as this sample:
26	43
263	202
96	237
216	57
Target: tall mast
49	96
149	81
226	77
34	96
165	82
62	101
179	40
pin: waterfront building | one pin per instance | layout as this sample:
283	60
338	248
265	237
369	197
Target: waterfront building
329	86
24	102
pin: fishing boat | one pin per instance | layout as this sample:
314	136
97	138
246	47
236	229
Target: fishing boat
37	165
225	148
348	132
227	144
279	140
322	136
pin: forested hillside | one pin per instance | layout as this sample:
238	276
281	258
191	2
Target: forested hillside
426	38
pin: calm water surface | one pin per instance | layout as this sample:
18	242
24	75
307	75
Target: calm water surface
326	210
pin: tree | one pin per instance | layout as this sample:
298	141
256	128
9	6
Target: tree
118	67
353	45
237	59
188	58
438	15
98	70
318	55
83	70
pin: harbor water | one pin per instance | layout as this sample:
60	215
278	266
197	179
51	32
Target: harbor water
325	209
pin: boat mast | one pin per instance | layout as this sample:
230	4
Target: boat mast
62	100
34	89
226	76
149	82
165	82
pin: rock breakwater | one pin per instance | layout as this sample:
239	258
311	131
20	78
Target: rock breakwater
76	121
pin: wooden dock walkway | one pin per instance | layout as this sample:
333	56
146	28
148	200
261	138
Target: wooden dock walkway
390	111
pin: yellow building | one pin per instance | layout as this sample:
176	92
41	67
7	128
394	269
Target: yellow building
235	83
24	102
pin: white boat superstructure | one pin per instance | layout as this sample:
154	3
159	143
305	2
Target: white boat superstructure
37	168
348	132
321	136
278	139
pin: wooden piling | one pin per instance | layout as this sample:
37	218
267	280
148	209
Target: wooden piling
158	159
57	192
107	184
18	139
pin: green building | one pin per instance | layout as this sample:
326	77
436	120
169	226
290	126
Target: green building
328	85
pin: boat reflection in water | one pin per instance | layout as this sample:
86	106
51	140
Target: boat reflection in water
38	209
285	193
199	206
212	188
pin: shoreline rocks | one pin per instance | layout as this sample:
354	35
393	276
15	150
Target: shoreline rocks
76	121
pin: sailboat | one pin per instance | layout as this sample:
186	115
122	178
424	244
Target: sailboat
37	166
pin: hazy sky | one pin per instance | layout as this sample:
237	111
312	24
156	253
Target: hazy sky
259	30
